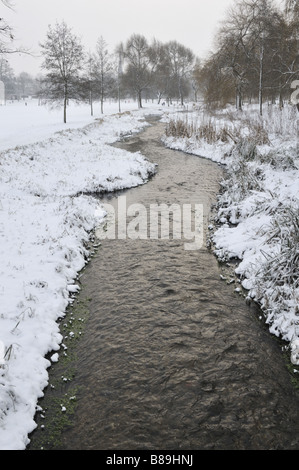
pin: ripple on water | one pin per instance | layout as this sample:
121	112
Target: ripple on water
171	357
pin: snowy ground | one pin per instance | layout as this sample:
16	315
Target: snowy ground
48	168
46	218
25	122
258	210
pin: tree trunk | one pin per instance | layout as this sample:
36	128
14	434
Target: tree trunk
181	92
64	111
261	79
238	98
91	103
65	102
281	105
118	94
139	99
102	94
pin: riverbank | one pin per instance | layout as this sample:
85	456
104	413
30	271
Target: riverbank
171	357
46	219
257	221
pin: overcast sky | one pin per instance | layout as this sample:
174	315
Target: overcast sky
193	23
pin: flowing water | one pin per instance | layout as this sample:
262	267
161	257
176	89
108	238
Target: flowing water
172	357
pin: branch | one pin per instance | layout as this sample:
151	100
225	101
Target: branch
8	3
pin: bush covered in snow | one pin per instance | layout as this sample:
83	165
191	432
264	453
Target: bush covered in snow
258	208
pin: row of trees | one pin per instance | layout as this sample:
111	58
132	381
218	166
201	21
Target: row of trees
137	67
256	58
257	54
23	85
19	86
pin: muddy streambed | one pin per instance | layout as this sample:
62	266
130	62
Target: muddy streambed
169	356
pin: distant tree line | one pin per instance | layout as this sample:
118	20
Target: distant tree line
257	55
17	87
22	85
256	58
137	69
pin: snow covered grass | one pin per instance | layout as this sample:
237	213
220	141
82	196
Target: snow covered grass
258	208
26	122
48	172
47	215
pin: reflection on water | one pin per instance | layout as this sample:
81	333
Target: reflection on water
172	357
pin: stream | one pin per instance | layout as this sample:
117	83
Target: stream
172	357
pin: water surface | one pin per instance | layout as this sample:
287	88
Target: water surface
172	357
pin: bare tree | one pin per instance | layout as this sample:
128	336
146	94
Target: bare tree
216	82
6	33
181	63
264	16
160	81
119	53
292	7
247	45
195	79
256	54
139	65
88	82
63	61
102	68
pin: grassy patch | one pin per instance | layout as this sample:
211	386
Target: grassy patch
56	409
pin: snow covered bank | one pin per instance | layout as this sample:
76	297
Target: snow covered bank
26	122
258	209
46	217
